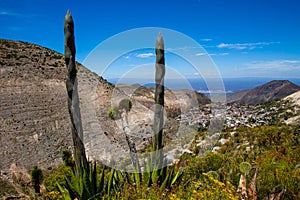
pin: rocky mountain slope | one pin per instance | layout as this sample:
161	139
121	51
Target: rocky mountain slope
295	99
273	90
34	120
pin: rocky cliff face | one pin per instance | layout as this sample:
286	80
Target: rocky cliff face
34	119
270	91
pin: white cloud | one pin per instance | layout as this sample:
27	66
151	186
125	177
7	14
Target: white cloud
218	54
223	54
201	54
211	54
242	46
11	13
183	48
206	39
279	65
144	55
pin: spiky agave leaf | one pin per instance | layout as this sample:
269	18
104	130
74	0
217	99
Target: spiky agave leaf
65	193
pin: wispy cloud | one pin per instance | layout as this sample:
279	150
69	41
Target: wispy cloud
219	54
243	46
211	54
19	15
183	48
10	13
279	65
144	55
201	54
206	39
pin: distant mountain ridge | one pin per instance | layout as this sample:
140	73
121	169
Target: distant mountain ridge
273	90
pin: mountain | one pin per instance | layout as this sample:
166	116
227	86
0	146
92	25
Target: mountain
273	90
34	119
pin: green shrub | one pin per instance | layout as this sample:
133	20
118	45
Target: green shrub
206	188
114	113
210	162
67	158
245	167
278	169
125	104
58	176
36	176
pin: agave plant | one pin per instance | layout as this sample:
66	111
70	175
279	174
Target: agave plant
91	185
84	183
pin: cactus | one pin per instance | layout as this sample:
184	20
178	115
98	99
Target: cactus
73	100
36	176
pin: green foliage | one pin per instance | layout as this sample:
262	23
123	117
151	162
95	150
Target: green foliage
36	176
67	158
59	176
114	113
245	167
206	188
278	164
274	150
209	162
125	104
214	175
91	184
278	169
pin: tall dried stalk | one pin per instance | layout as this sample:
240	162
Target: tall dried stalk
73	99
159	102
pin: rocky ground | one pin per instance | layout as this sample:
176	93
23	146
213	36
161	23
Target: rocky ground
295	98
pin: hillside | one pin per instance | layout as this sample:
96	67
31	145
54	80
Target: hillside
273	90
295	98
34	120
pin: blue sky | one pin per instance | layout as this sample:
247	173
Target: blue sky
244	38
